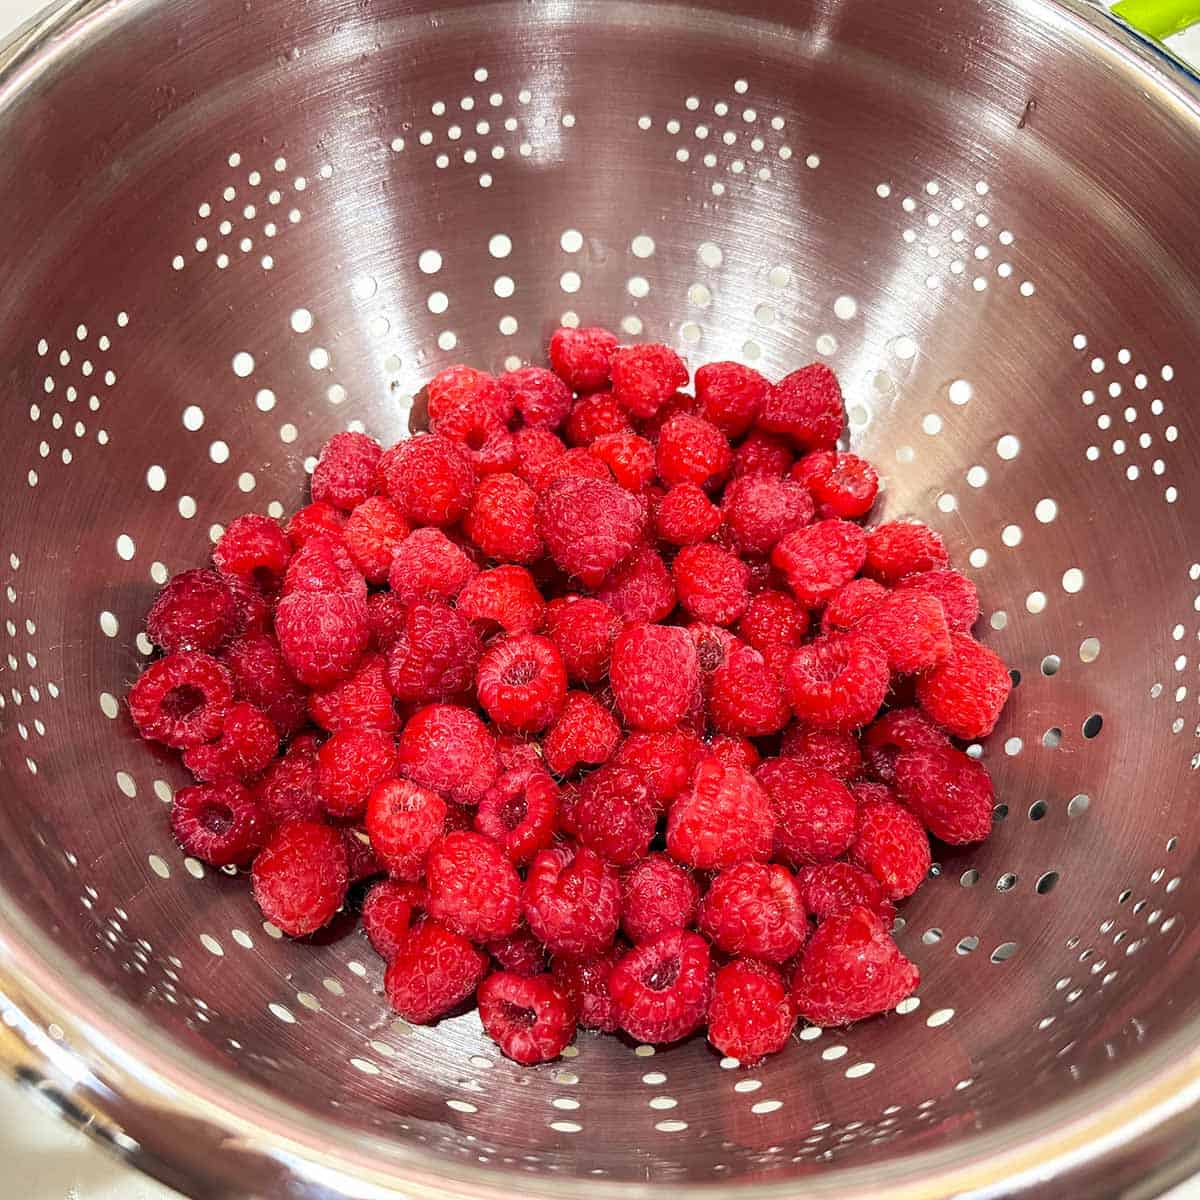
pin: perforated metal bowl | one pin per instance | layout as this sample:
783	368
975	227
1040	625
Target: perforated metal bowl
231	230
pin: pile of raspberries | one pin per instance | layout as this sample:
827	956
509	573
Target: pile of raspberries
598	701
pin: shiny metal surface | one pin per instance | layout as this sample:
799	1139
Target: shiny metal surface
235	229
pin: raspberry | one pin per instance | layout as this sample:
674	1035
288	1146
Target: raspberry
851	604
762	454
253	606
589	526
385	617
430	478
851	969
751	1013
732	750
690	450
449	750
760	511
522	683
221	823
373	531
829	888
745	694
349	766
427	565
666	760
629	457
247	744
181	700
911	628
360	702
654	674
519	812
902	548
316	520
730	396
520	952
432	973
530	1018
403	821
661	989
966	693
322	564
300	876
891	843
950	792
585	983
837	682
815	810
595	416
806	408
500	520
819	560
513	751
473	888
497	455
584	631
536	450
895	733
754	910
435	657
640	588
656	895
361	860
289	786
960	600
614	815
196	610
713	647
582	358
572	901
584	734
840	483
712	583
345	472
837	753
645	377
723	819
503	598
467	405
772	619
387	912
686	515
321	635
540	396
253	548
577	463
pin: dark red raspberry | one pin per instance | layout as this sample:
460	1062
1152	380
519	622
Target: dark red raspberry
640	588
713	647
254	548
289	786
837	682
959	599
851	969
806	408
473	888
196	610
754	910
829	888
435	657
459	819
429	477
373	531
966	693
745	695
361	860
837	753
686	515
252	603
656	895
773	619
593	417
666	760
350	765
712	583
500	520
322	635
645	377
762	454
582	358
589	526
387	913
724	818
584	631
385	617
432	973
427	565
585	983
895	733
751	1013
181	700
503	598
536	450
261	676
733	750
467	405
902	548
345	472
403	822
819	560
519	812
816	811
316	520
760	510
585	734
497	455
520	952
247	744
949	791
449	749
221	823
891	843
654	675
572	901
323	565
851	604
522	683
360	702
629	457
690	450
661	989
911	628
300	876
540	396
530	1018
730	396
614	815
841	483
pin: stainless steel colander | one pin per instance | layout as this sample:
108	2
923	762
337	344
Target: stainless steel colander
234	229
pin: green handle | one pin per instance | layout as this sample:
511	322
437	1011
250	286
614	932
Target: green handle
1159	18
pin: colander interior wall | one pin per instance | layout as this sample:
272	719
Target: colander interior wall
232	231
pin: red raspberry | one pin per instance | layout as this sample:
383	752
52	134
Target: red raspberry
773	619
450	750
436	656
654	674
385	617
582	358
837	753
614	815
841	483
513	751
503	598
181	700
289	787
829	888
892	845
902	548
679	403
867	791
949	791
815	810
712	583
577	463
500	520
221	824
196	610
589	526
760	511
754	910
584	631
529	1017
896	733
536	450
806	408
960	600
467	405
387	912
911	628
666	760
837	682
521	953
361	860
762	454
427	565
430	478
403	821
713	647
819	560
966	693
640	588
745	695
322	635
732	750
661	989
686	515
459	819
360	702
350	765
316	520
254	548
851	969
595	416
247	744
585	983
690	450
473	888
572	901
497	455
522	683
373	531
724	818
751	1014
730	396
432	973
629	457
519	812
323	565
300	876
252	603
656	895
851	604
645	377
345	473
586	734
540	396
